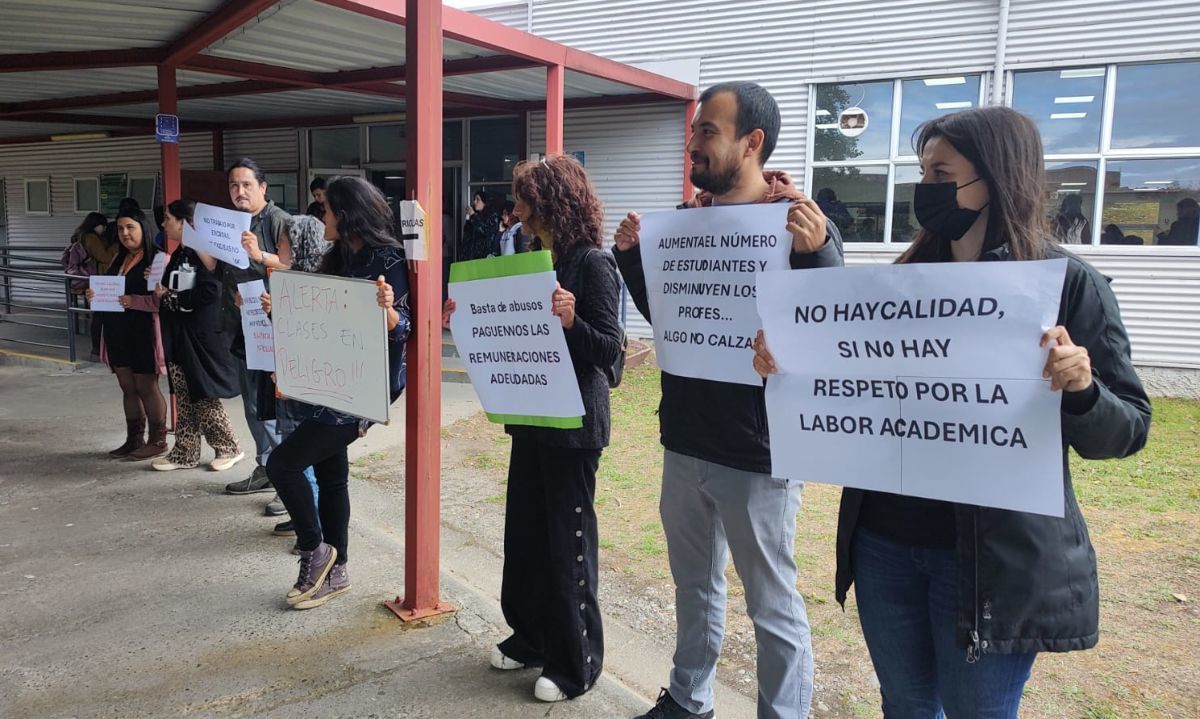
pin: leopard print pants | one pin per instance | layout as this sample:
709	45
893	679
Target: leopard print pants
196	417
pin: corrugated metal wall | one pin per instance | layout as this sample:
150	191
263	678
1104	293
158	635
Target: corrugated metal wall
276	150
634	155
511	14
63	161
1061	33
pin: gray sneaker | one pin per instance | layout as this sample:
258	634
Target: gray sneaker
336	584
314	567
255	483
275	507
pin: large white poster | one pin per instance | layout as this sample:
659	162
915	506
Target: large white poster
700	266
217	232
331	345
923	380
514	348
256	327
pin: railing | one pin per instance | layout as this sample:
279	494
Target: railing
34	285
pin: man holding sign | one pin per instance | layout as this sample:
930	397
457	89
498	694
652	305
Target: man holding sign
718	492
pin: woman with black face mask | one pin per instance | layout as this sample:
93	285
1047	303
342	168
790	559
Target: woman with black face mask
956	600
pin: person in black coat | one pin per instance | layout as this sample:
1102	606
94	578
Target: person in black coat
957	600
551	543
200	366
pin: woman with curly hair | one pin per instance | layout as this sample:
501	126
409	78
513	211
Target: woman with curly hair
550	540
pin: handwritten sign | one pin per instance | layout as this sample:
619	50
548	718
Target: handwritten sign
218	233
108	289
514	348
700	266
157	267
331	344
256	327
922	380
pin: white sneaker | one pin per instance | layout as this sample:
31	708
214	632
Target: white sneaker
220	464
500	661
163	464
547	691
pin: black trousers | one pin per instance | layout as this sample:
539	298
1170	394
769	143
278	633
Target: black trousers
322	447
551	564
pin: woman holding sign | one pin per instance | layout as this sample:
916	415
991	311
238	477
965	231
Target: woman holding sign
199	364
956	600
550	538
130	341
359	222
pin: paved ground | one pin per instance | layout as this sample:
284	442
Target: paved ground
126	592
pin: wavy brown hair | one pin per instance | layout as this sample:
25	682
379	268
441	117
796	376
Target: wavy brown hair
563	201
1006	149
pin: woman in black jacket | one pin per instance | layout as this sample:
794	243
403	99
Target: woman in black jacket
550	539
955	600
200	366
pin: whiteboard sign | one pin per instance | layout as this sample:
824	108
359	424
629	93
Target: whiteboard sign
331	345
922	380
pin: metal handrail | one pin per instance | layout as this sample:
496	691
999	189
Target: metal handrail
48	283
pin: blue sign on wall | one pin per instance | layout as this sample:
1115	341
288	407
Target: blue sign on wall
166	128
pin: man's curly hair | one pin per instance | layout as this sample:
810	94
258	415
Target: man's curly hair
562	200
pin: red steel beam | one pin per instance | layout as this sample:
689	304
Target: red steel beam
254	70
102	120
47	61
168	104
422	474
212	28
221	89
554	110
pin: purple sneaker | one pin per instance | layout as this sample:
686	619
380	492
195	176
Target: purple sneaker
336	584
314	567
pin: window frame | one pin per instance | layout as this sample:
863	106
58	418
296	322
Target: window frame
49	198
75	193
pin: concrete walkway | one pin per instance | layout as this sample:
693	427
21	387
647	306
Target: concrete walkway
126	592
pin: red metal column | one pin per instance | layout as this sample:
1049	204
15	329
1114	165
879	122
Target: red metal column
554	110
168	104
422	509
689	112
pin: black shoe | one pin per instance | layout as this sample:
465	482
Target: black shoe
284	529
255	483
275	507
668	708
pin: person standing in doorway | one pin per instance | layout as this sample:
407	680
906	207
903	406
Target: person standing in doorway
265	242
718	495
512	239
317	207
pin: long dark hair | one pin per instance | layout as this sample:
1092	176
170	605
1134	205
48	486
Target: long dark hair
88	225
147	239
1006	149
183	209
362	214
562	199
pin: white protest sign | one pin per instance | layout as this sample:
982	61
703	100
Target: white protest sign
331	344
157	267
107	288
414	230
700	266
217	232
922	380
256	327
514	348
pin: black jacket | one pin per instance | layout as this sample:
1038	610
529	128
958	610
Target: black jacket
192	332
720	422
1027	581
594	342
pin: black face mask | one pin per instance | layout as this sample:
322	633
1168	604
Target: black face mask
936	207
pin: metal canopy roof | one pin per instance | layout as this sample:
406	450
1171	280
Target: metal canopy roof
85	65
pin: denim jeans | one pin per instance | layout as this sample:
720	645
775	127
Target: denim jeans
908	603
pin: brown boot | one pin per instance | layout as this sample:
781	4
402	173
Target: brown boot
135	430
156	447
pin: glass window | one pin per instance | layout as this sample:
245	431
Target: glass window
854	199
281	187
923	100
1157	106
452	137
87	194
875	143
1152	202
1067	105
387	143
335	147
495	148
37	197
1070	200
904	222
142	189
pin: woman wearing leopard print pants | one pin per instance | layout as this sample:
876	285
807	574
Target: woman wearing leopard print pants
200	367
